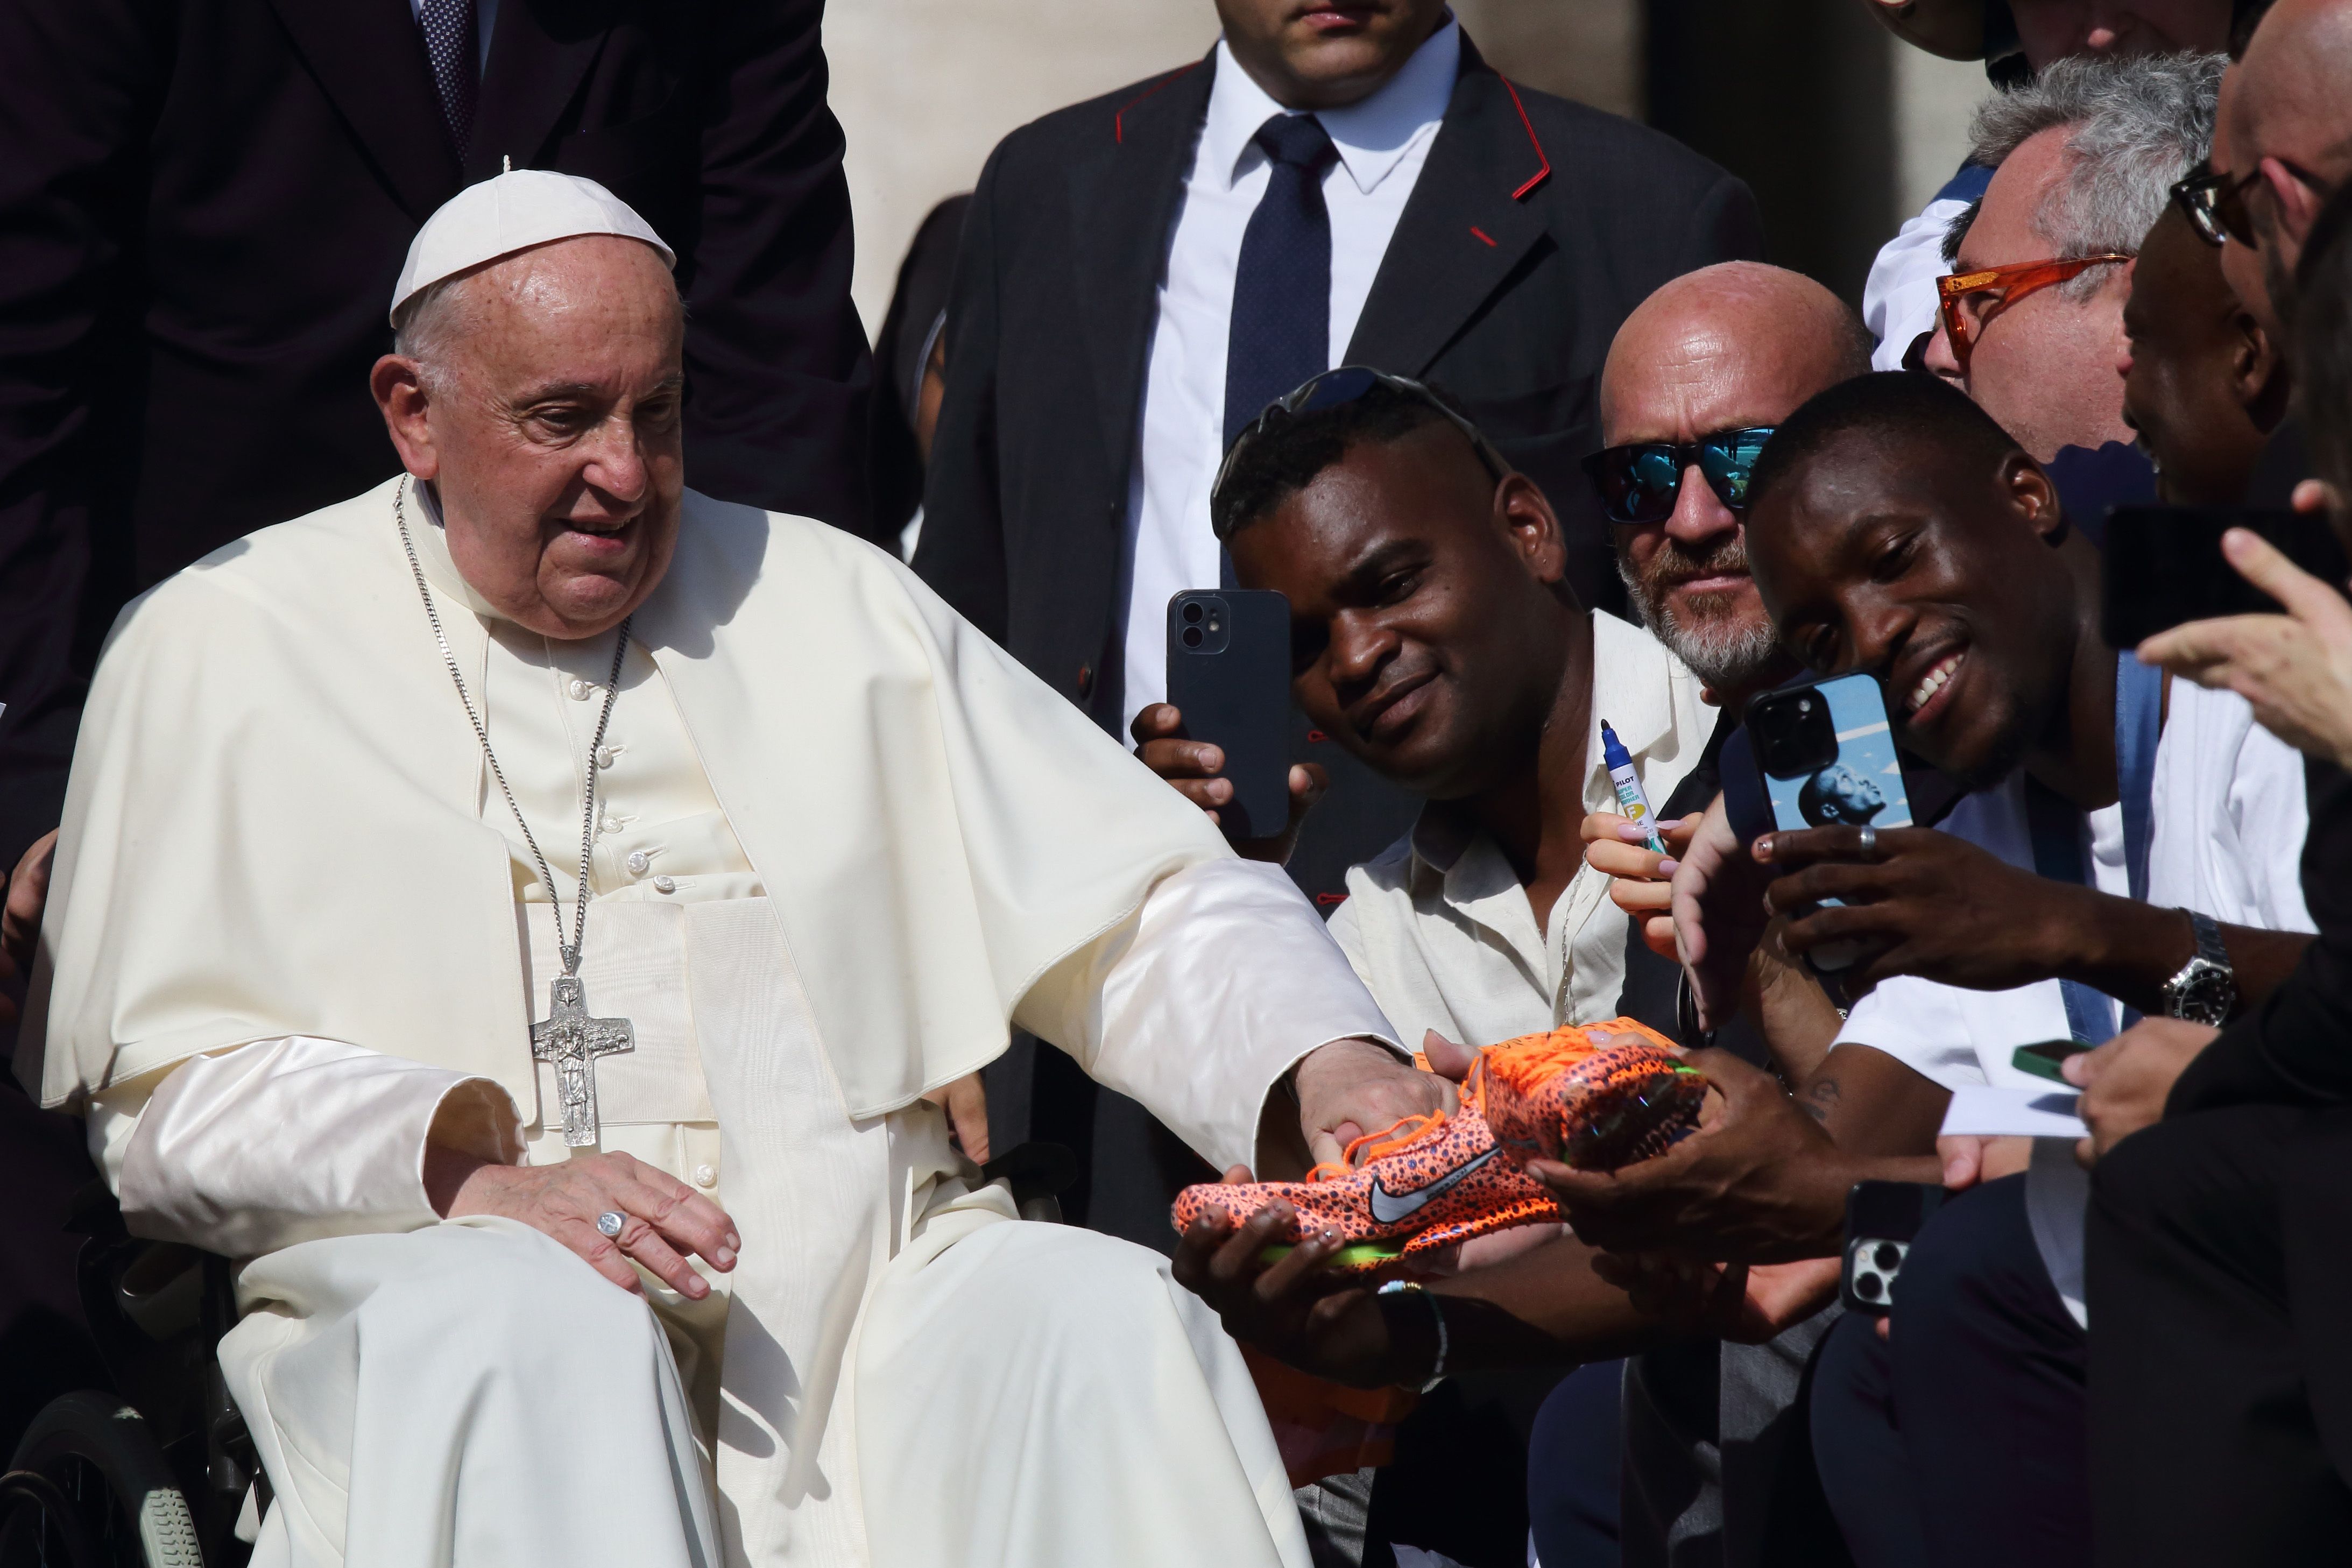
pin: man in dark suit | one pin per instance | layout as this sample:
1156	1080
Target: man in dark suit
1141	274
204	204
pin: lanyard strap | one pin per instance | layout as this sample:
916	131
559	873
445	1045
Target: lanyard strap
2059	832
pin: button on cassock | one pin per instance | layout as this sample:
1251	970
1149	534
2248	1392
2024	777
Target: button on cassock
706	1176
638	862
579	690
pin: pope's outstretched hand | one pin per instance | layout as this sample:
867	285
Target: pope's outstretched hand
1350	1088
663	1220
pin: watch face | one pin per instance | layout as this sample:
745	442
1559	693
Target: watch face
2203	994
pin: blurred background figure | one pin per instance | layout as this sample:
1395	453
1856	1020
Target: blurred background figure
205	208
910	363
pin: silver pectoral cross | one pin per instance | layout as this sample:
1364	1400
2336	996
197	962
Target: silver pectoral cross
572	1041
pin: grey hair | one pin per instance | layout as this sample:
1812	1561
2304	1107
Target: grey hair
430	321
2138	126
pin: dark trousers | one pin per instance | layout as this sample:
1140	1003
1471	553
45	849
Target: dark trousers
1575	1462
1961	1440
2221	1380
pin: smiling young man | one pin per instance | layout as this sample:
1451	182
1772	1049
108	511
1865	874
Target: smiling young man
1895	530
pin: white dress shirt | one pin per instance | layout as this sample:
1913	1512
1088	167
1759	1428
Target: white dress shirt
1439	927
1382	142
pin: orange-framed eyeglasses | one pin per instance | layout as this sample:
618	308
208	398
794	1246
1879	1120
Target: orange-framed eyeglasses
1969	299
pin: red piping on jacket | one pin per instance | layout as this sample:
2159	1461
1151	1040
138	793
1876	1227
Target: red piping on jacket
1541	175
1119	120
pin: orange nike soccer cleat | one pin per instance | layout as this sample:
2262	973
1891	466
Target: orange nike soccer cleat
1427	1183
1594	1097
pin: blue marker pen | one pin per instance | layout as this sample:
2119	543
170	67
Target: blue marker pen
1620	763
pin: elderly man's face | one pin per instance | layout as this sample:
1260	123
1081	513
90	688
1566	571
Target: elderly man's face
2053	29
551	434
1678	374
1326	53
2043	366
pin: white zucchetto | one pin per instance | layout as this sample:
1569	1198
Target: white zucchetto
511	212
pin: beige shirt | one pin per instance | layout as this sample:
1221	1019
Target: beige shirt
1439	926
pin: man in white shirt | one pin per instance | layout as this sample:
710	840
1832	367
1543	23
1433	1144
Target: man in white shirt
1899	531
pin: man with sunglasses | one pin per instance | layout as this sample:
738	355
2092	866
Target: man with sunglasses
2283	143
2031	322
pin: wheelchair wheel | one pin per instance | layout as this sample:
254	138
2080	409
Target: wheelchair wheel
89	1489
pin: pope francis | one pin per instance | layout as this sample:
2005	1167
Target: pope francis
520	912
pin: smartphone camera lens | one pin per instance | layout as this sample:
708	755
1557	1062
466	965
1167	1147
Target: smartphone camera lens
1888	1256
1193	613
1191	637
1804	704
1868	1287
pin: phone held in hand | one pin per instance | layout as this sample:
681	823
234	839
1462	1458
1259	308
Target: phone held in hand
2045	1059
1229	675
1827	757
2163	565
1882	1220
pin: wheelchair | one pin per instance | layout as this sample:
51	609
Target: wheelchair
157	1473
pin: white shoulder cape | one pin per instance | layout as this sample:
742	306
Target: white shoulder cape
270	825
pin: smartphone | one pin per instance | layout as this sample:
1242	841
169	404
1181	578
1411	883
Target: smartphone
1826	754
2043	1060
1229	675
1882	1220
2163	565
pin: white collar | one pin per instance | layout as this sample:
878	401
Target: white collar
426	530
1371	136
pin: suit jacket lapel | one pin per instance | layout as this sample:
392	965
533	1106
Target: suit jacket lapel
538	56
370	59
1123	199
1463	230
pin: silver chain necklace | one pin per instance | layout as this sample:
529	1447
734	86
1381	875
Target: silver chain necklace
570	1039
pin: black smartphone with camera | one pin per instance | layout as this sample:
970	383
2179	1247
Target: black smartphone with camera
1882	1220
1826	754
1229	675
2163	565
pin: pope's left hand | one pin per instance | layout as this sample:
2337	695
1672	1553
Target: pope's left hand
1350	1088
1922	903
2126	1082
20	921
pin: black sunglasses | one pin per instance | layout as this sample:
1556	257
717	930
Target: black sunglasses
2215	204
1336	388
1639	482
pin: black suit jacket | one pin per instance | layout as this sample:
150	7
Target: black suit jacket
204	204
1535	226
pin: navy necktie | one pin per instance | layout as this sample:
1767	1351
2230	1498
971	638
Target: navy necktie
1281	330
452	42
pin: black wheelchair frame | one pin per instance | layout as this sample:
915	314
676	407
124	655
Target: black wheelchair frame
153	1473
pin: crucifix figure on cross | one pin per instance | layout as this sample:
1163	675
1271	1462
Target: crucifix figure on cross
571	1041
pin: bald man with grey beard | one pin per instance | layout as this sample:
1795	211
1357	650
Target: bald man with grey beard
1730	349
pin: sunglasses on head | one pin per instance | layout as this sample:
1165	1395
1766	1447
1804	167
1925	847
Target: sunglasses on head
1639	482
2215	204
1336	388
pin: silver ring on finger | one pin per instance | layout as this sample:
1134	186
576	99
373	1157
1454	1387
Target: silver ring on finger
1868	843
609	1224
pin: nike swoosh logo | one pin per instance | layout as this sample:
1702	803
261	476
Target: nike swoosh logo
1389	1208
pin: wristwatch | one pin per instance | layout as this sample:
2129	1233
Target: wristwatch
2207	987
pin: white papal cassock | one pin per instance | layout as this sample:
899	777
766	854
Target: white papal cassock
842	840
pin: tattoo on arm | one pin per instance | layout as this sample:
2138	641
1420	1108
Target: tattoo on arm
1819	1095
